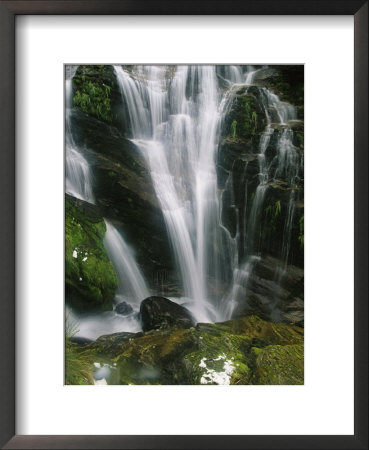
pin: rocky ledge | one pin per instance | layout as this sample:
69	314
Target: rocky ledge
246	350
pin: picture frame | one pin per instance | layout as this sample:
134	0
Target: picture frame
8	11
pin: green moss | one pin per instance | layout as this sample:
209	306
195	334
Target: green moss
92	92
249	124
277	364
204	354
246	118
90	278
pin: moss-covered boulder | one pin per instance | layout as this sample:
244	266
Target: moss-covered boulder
278	364
233	352
96	92
92	91
90	279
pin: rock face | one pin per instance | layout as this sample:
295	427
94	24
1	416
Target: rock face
90	279
271	230
159	312
265	292
287	82
241	351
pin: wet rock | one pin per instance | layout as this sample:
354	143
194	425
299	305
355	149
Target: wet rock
90	279
233	352
123	190
274	292
124	309
159	312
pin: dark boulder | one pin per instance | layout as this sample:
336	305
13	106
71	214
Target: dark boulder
123	309
159	312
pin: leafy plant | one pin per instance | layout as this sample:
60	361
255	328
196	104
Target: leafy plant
233	129
93	98
277	208
254	120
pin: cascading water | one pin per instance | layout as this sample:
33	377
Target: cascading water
287	164
131	285
176	119
176	115
78	179
132	289
180	151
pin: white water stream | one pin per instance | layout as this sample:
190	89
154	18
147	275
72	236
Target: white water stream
78	178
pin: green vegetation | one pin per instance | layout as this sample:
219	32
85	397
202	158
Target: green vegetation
278	364
273	210
90	278
78	367
235	352
94	99
93	91
233	129
250	119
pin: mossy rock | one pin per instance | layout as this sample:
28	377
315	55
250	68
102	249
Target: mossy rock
92	86
221	353
90	279
246	118
277	364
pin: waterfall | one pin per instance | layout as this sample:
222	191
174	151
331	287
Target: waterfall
175	115
286	165
175	123
176	119
78	179
131	284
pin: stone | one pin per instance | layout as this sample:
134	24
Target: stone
248	350
124	309
159	312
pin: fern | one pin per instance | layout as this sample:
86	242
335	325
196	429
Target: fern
233	129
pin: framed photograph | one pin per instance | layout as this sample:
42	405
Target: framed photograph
184	225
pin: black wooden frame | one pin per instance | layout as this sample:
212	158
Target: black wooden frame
8	11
